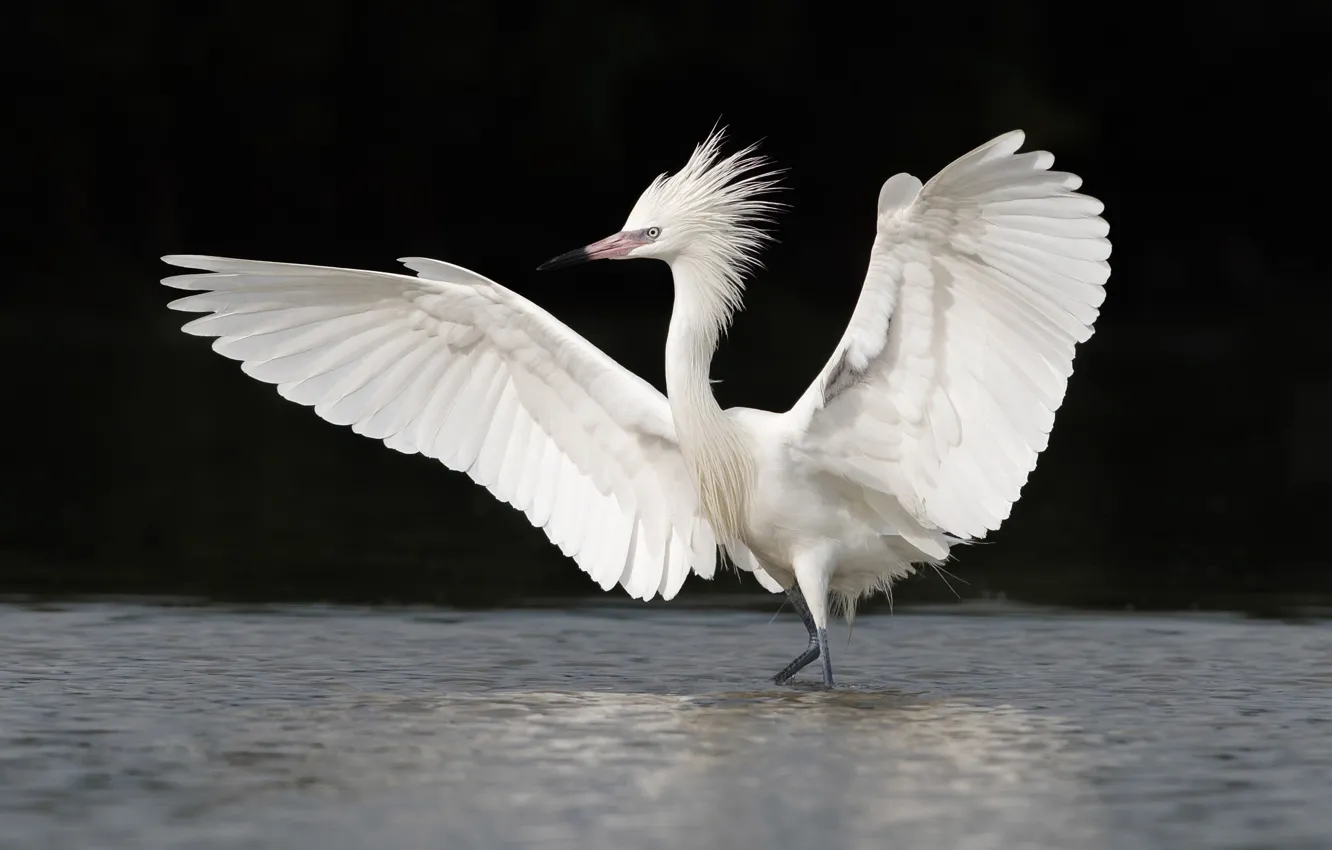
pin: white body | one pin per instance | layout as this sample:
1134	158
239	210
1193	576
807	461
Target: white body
919	433
801	513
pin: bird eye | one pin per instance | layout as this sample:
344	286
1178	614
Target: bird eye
653	232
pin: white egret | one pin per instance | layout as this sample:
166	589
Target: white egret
918	434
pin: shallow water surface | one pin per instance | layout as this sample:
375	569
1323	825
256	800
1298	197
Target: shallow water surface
145	726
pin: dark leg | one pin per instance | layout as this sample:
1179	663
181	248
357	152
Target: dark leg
827	658
812	651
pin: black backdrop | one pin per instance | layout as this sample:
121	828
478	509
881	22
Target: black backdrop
1189	465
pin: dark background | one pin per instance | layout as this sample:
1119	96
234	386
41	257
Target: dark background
1189	466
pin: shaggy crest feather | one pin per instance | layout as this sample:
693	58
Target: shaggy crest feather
718	206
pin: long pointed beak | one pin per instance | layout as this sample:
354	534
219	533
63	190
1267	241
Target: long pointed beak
611	248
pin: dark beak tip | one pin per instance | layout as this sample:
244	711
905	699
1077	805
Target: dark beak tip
569	258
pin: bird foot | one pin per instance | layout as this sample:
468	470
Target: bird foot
818	648
801	661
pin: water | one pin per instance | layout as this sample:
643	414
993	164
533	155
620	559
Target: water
141	726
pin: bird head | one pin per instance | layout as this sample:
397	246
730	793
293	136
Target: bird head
711	212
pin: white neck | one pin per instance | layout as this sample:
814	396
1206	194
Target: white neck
717	452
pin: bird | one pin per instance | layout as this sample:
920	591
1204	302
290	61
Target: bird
916	436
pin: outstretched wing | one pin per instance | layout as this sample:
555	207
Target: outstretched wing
455	367
944	388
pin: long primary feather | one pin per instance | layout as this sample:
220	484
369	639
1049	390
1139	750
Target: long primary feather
943	390
455	367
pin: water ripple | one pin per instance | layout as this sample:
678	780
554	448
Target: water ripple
126	725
